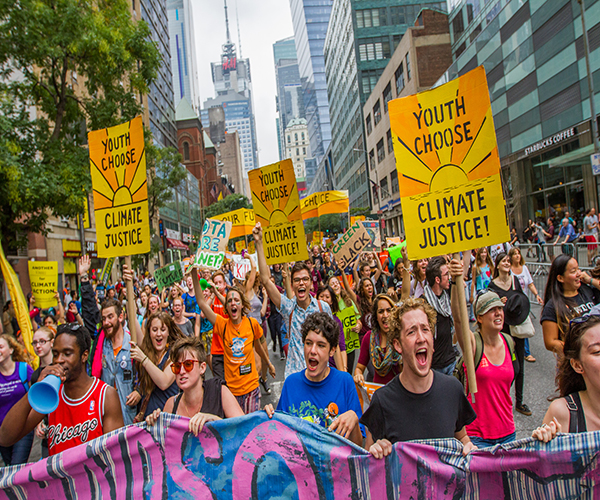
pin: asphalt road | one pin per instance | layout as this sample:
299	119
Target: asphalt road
539	385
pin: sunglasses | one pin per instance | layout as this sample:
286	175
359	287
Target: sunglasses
188	364
582	319
68	327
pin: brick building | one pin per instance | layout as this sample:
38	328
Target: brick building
421	57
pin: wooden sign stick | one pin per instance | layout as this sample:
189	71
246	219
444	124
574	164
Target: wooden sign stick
131	317
465	332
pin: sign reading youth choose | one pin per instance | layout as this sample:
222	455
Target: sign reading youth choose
277	208
118	167
448	168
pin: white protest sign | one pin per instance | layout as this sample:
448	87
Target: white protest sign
241	266
213	243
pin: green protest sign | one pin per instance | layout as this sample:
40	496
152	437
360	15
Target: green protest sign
105	275
348	318
168	275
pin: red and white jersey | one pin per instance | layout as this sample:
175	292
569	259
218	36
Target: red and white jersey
76	421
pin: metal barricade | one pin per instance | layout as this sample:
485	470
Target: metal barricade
587	254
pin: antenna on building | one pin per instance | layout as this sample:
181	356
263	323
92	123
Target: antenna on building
227	22
237	17
228	47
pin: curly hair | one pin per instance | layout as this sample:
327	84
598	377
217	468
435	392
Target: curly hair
323	324
568	380
147	385
81	333
365	301
410	304
19	351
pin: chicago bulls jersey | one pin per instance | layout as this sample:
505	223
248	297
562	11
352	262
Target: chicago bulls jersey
76	421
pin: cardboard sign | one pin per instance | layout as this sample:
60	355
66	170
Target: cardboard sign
325	202
350	244
168	275
372	227
118	168
348	318
212	245
43	277
107	270
448	168
242	221
277	208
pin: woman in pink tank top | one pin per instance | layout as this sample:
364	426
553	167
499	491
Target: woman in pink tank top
495	422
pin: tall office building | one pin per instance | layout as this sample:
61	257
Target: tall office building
161	108
183	52
358	46
534	56
310	19
233	88
290	103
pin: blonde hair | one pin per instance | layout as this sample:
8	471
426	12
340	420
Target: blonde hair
19	351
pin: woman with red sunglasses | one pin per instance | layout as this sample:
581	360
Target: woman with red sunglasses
200	400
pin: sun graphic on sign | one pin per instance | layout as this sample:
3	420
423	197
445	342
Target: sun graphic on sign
279	203
119	181
444	139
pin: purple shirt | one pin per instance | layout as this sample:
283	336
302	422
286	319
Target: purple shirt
11	390
342	343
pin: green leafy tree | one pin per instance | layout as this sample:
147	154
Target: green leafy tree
227	204
65	66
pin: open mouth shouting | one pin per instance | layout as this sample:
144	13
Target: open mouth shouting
421	356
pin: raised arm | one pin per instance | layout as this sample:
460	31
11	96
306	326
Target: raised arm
379	269
355	270
89	307
287	280
134	326
348	288
252	277
209	314
60	315
263	268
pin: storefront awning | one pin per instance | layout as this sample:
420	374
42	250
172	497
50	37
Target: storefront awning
176	244
578	157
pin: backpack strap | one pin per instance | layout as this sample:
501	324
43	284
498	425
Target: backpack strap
23	375
320	305
478	349
573	414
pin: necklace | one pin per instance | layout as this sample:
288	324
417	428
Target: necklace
187	409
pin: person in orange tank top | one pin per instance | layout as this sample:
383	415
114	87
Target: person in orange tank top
87	409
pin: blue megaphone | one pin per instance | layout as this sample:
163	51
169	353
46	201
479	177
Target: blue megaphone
43	395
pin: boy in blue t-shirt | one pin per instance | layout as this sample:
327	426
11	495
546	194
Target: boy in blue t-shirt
320	394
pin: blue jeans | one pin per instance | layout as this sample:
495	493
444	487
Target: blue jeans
527	351
18	453
447	370
486	443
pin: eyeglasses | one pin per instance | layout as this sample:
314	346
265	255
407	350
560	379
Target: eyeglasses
188	364
40	342
306	279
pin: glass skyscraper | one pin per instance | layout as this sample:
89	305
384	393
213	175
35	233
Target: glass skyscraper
310	19
533	54
361	38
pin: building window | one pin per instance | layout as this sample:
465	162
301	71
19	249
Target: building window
186	151
369	80
380	151
304	151
372	158
387	96
296	136
375	194
407	68
369	125
384	188
377	112
303	136
289	139
397	14
374	49
399	79
371	18
458	25
390	141
297	151
394	181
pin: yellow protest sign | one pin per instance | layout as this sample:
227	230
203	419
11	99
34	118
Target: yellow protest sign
358	217
317	237
448	168
239	245
251	247
43	277
118	167
325	202
242	221
277	208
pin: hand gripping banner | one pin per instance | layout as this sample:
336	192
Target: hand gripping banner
253	457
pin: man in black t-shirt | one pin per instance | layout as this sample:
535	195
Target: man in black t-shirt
419	403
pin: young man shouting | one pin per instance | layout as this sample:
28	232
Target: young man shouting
419	403
320	394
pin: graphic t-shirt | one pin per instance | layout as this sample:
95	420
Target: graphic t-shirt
190	303
484	276
238	340
321	401
12	390
582	303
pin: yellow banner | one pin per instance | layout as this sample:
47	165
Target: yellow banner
118	167
43	277
325	202
242	221
20	305
277	208
448	168
358	217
